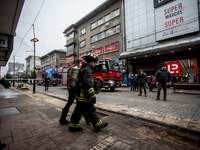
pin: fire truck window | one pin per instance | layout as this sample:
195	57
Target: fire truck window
115	66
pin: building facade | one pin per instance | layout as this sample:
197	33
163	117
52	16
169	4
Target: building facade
30	63
53	60
160	32
19	67
99	32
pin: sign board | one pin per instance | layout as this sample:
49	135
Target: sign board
176	18
111	48
3	41
160	2
71	58
98	51
174	68
83	54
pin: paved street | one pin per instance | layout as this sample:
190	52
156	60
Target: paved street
30	121
179	109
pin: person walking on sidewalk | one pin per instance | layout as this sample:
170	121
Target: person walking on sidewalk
47	80
142	82
135	81
86	97
153	83
65	110
131	82
162	77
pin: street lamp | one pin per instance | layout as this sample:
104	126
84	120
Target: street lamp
34	40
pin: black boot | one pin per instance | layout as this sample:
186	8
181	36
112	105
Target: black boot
63	119
103	125
75	129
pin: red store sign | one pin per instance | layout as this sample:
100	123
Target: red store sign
98	51
174	68
111	48
83	54
71	58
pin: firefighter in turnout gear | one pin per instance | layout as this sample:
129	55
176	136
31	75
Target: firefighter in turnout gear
85	96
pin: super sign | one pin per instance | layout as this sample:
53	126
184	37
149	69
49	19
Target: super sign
174	68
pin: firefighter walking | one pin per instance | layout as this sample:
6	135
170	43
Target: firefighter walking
86	97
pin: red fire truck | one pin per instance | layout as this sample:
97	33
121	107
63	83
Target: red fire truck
108	73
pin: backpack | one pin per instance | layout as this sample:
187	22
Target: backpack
73	80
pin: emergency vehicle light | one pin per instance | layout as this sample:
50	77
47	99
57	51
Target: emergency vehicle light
107	58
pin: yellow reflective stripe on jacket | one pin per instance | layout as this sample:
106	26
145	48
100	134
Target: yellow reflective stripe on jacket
82	99
73	125
0	78
90	91
98	124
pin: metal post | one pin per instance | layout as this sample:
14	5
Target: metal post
34	71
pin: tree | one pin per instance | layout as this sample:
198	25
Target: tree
8	76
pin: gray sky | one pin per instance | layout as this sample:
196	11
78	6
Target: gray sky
54	17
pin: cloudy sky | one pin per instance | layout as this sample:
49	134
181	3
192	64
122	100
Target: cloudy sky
50	18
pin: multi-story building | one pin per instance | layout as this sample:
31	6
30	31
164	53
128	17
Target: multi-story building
53	60
30	63
164	31
99	32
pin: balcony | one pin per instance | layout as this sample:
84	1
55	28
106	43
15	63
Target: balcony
70	41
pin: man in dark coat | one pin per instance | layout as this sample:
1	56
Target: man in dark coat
142	82
47	80
162	77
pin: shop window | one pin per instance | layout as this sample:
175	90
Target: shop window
116	13
116	29
82	43
82	31
100	36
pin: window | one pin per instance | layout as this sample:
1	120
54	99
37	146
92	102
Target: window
53	57
62	56
70	47
99	22
70	36
107	33
116	29
116	13
82	31
107	17
93	39
82	43
93	25
100	36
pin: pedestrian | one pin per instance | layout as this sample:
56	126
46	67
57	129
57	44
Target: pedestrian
135	81
173	80
153	83
149	78
131	82
162	77
47	81
142	82
76	64
85	96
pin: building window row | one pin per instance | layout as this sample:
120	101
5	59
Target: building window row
106	18
70	47
62	56
82	43
106	33
70	36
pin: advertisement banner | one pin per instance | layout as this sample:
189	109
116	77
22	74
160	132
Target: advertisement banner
71	58
111	48
98	51
174	68
176	18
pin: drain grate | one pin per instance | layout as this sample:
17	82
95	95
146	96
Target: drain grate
9	111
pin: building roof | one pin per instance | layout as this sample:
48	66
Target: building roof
54	51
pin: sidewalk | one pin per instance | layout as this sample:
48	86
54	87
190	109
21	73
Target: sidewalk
30	121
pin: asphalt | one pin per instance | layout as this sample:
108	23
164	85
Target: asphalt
30	121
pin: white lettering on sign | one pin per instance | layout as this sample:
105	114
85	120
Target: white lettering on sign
174	68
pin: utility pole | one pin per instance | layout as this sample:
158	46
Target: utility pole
14	70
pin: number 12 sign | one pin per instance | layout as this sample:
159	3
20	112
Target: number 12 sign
174	68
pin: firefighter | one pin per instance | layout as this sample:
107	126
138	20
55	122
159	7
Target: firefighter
86	97
76	65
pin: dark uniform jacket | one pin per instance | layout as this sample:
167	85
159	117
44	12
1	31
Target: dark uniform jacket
163	76
85	90
142	77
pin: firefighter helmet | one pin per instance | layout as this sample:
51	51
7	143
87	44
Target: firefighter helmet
91	57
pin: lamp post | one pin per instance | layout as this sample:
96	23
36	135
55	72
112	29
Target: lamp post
34	40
